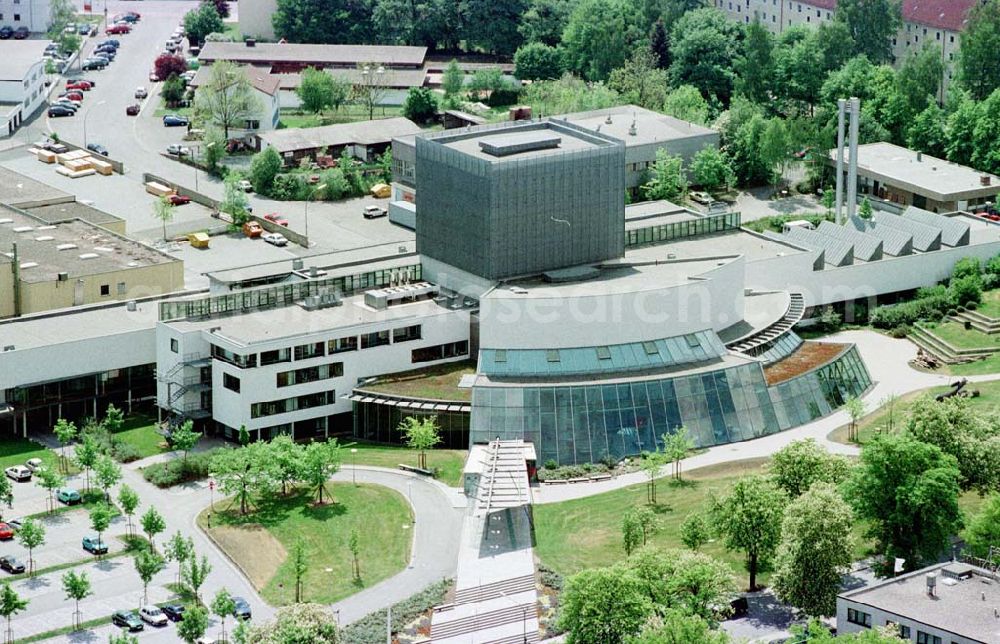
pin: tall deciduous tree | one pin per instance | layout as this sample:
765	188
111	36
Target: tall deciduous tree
194	624
711	169
544	21
321	461
325	22
703	48
179	548
31	535
538	61
749	518
872	25
984	528
163	210
659	44
371	86
264	168
226	99
604	605
687	103
597	37
152	524
108	473
184	438
675	627
816	549
85	455
51	481
285	457
695	531
315	91
927	132
919	79
802	463
667	179
65	431
100	520
756	66
6	494
10	604
202	21
900	478
194	573
420	105
978	64
76	585
640	81
167	65
491	25
420	434
223	606
691	582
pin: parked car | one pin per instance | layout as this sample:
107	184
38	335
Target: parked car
252	229
109	56
242	608
275	238
118	29
174	612
132	110
21	33
80	85
11	564
70	28
140	92
6	32
178	150
245	185
69	496
114	42
83	30
276	218
19	472
6	532
106	49
179	200
94	545
68	104
173	120
94	64
701	197
73	95
153	616
98	148
127	619
15	524
34	464
373	212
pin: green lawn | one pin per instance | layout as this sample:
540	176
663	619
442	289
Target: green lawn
232	29
990	306
988	365
139	431
349	113
15	451
955	334
381	517
162	110
449	462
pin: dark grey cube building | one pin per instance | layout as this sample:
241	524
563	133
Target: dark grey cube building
520	198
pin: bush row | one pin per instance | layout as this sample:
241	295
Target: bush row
550	472
180	470
370	629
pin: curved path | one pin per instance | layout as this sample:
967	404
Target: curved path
887	361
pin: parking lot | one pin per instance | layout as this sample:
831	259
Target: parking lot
63	534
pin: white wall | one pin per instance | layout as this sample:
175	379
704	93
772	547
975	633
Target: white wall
34	14
880	618
29	92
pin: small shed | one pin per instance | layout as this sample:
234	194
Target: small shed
452	119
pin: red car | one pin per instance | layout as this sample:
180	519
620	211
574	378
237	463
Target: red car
6	532
80	85
132	110
118	29
73	95
276	218
179	200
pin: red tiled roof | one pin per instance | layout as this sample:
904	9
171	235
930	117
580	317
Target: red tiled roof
940	14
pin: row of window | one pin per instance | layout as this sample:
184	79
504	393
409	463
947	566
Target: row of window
296	403
440	352
862	618
858	617
310	374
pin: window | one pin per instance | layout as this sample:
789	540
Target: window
927	638
552	355
342	344
904	632
500	355
121	288
17	17
233	358
310	374
105	290
862	619
603	353
375	339
174	345
306	351
441	352
650	348
231	382
406	333
276	356
253	124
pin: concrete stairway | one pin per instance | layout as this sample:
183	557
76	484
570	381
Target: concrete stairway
943	351
796	307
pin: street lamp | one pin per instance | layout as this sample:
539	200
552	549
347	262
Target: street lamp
354	458
85	117
306	209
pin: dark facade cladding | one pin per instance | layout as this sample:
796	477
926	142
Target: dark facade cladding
578	424
378	422
525	212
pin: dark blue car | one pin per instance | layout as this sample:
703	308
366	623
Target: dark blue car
173	120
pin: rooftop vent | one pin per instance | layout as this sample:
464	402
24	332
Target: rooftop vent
251	42
29	264
22	229
65	246
985	180
46	228
508	144
8	347
920	156
321	301
130	305
297	264
44	238
104	249
931	583
89	256
6	220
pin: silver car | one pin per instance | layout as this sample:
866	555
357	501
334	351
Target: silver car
275	238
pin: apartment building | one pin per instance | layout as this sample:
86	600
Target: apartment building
22	79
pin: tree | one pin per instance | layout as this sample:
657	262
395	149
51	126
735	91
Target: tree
322	460
865	212
453	79
286	460
86	454
749	518
65	432
683	580
244	436
100	520
711	169
676	446
755	68
163	210
245	472
202	21
491	25
596	38
420	434
900	478
324	22
420	105
816	632
371	86
179	548
652	463
122	638
927	132
631	531
983	530
802	463
667	179
545	20
872	25
674	627
173	90
184	438
978	67
221	7
798	64
604	605
537	61
61	13
234	199
264	168
816	548
152	524
51	481
10	604
315	91
76	585
855	408
31	535
108	473
703	51
300	565
640	81
774	148
311	623
659	44
223	606
214	150
919	79
167	65
6	494
695	531
194	624
193	574
687	104
354	545
227	100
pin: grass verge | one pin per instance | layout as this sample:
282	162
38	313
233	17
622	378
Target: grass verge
349	113
15	450
139	431
380	516
65	630
959	337
448	462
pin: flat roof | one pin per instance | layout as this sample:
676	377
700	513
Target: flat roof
74	247
17	189
394	78
363	132
355	260
313	53
647	209
931	177
650	127
730	243
534	137
19	56
76	324
957	605
72	210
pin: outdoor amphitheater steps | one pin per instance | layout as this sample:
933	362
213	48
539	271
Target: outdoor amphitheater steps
978	321
944	351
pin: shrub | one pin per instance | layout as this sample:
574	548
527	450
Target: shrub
370	629
899	332
125	452
420	105
954	311
570	471
966	289
550	464
180	470
971	306
966	267
288	187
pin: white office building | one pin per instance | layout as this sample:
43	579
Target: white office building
22	81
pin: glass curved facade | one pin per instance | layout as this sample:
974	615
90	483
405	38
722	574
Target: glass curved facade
577	424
